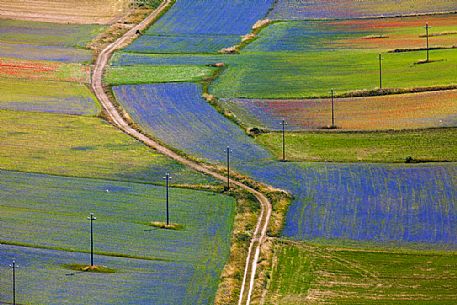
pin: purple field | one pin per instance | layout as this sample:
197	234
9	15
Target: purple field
366	202
201	26
42	278
211	17
178	115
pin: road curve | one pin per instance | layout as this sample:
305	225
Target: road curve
260	233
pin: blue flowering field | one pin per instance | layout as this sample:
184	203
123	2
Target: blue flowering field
221	17
42	278
61	159
364	202
201	26
367	202
41	211
178	115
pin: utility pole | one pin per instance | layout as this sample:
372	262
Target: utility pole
427	28
283	124
91	218
333	108
380	71
228	151
13	266
167	182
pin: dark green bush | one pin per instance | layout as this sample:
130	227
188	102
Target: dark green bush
148	3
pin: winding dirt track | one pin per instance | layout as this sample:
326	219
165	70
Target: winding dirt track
259	235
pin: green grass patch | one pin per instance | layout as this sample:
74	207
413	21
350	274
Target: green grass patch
156	74
48	34
305	274
47	96
21	90
421	145
313	74
83	147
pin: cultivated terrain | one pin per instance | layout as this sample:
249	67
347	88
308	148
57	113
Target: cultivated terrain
103	98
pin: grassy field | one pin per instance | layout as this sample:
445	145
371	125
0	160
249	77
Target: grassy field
301	59
156	74
384	147
122	209
313	74
121	58
403	111
190	260
80	146
65	11
312	274
49	34
47	96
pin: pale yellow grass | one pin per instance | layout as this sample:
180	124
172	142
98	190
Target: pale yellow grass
65	11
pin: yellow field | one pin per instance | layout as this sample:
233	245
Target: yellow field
65	11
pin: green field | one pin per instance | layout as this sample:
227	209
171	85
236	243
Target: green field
48	34
81	146
48	213
156	74
123	209
34	90
314	74
386	147
47	96
306	59
312	274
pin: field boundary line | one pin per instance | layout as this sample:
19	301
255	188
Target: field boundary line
260	232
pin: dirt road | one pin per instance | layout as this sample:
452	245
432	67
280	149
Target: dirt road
259	235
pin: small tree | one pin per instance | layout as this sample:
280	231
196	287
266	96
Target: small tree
147	3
